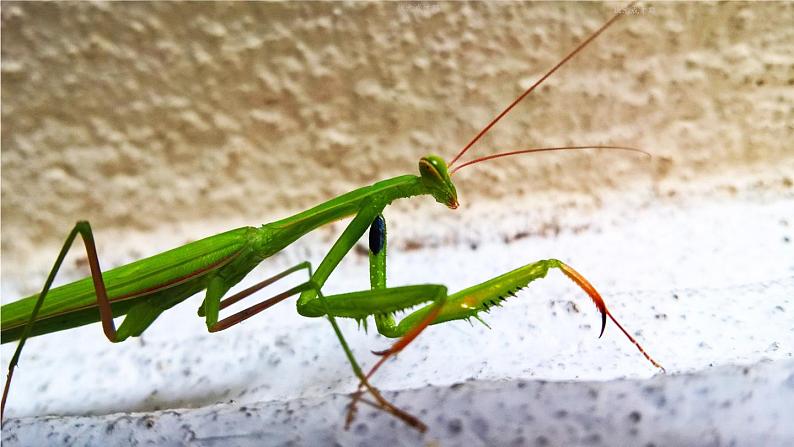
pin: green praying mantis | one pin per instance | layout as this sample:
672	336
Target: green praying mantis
144	289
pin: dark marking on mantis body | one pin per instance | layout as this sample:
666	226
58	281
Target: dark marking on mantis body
377	235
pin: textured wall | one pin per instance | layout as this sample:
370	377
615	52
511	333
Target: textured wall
139	115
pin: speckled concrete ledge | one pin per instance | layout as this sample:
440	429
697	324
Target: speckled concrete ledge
724	406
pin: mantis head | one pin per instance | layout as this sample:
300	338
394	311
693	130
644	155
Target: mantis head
435	177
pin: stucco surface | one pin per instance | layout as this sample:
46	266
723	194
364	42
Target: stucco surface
140	115
163	123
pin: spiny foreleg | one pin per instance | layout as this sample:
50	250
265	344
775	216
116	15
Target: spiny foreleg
468	303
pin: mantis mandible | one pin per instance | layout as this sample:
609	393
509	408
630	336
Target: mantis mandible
142	290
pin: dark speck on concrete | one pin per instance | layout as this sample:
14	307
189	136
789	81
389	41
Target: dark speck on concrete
635	416
361	429
541	441
455	426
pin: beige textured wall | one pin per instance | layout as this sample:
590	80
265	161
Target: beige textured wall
138	115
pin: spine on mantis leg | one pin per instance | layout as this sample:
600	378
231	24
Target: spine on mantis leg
377	267
469	302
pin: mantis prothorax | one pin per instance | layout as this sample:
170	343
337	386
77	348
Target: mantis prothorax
142	290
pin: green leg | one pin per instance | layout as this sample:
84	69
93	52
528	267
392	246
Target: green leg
377	268
381	402
217	288
469	302
384	318
341	247
380	302
82	228
314	304
360	305
311	303
313	297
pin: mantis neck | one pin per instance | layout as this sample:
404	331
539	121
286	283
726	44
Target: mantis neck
378	195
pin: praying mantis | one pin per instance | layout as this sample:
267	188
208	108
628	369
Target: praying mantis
143	290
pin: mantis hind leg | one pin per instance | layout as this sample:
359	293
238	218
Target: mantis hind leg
83	228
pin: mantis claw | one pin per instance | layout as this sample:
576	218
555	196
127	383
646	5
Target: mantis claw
603	323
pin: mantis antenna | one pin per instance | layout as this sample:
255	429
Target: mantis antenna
543	149
537	83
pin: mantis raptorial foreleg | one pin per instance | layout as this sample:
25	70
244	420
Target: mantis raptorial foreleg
464	304
360	305
469	302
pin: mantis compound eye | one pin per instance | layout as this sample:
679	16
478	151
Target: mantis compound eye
435	177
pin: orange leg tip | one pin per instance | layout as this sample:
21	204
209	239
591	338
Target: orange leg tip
599	302
585	285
